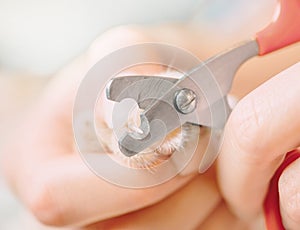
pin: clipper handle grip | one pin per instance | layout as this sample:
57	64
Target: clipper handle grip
283	31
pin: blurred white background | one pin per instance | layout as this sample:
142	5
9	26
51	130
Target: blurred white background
38	37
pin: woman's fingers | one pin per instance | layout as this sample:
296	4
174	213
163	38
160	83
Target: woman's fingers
65	192
43	169
185	209
289	196
262	128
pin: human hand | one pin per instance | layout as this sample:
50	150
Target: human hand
262	128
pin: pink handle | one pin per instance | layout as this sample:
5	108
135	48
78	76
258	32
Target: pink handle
285	30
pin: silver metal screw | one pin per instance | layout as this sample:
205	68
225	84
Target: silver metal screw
185	101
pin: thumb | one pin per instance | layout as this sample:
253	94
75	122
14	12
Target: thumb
260	130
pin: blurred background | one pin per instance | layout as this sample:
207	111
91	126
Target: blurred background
37	38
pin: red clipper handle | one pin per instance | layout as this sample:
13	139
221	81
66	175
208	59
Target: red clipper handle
271	204
285	30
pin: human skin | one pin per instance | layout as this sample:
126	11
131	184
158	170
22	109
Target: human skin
47	174
262	128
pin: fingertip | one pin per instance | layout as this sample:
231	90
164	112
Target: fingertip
248	125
